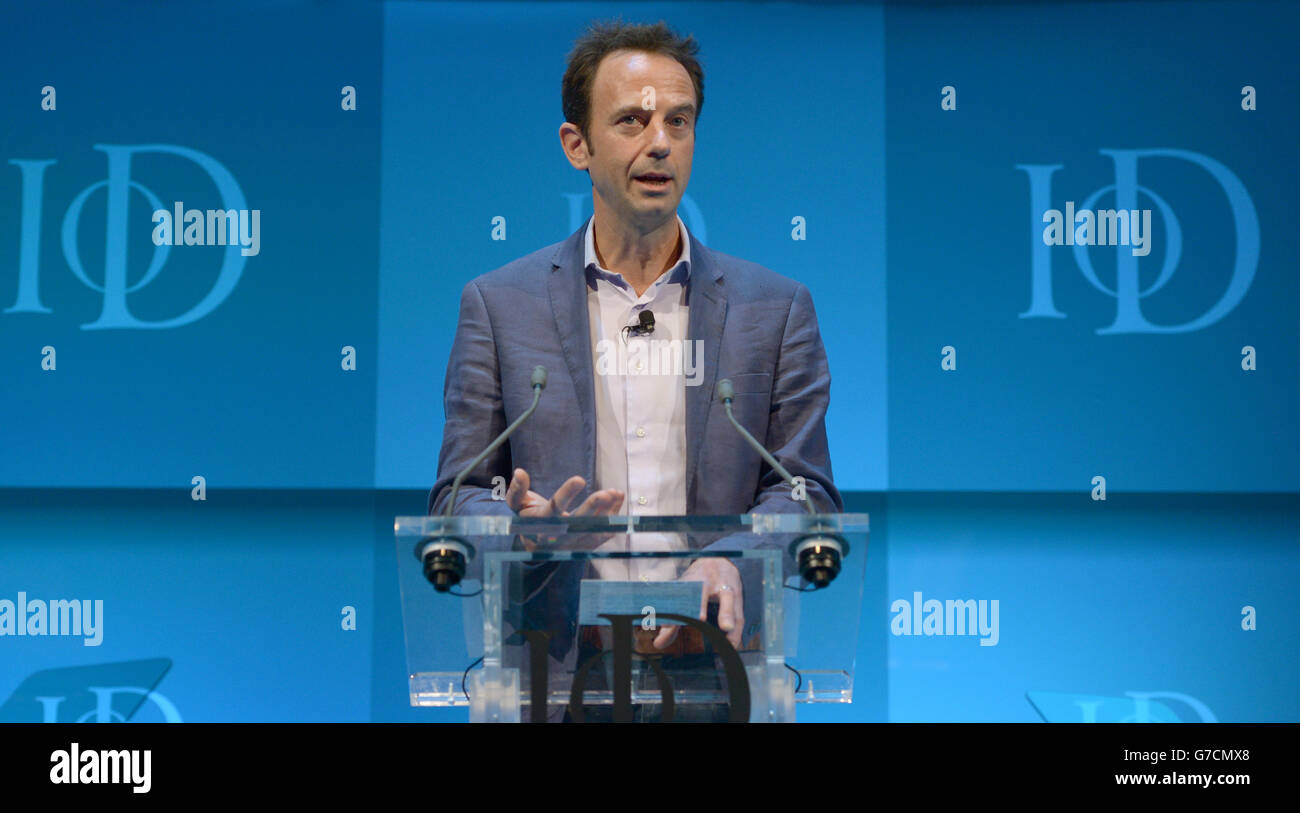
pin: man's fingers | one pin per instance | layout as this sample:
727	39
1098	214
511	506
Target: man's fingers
736	636
605	501
565	494
731	614
665	637
726	607
517	491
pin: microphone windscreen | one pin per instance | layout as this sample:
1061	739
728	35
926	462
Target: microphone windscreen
725	390
539	376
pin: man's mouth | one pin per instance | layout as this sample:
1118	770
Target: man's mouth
654	179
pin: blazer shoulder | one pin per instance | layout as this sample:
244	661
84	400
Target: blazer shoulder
526	272
751	280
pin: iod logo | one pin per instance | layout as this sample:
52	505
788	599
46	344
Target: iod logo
101	693
115	312
1134	243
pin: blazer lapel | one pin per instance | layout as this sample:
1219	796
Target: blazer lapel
567	285
708	312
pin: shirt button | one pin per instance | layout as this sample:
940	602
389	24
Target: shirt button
638	366
641	500
640	431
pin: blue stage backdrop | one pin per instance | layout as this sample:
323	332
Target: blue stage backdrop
1078	361
1048	244
202	359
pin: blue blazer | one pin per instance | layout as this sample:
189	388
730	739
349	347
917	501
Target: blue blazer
758	329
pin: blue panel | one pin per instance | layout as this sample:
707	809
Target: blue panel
1106	602
598	598
220	365
1103	387
244	593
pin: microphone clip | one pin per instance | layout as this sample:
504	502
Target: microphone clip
644	327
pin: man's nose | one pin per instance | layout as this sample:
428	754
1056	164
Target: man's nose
660	145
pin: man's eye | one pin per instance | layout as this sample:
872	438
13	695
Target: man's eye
627	119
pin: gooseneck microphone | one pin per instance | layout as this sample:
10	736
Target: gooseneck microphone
445	556
727	394
819	553
539	384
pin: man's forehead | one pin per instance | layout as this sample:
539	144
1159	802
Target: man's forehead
624	73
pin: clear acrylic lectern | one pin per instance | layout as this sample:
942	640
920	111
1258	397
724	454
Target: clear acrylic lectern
598	618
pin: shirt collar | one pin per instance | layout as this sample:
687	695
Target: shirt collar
679	273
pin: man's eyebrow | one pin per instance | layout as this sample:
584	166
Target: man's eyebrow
629	109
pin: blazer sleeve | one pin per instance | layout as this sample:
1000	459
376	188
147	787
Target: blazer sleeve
796	431
475	414
796	437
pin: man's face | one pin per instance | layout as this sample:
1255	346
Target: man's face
639	158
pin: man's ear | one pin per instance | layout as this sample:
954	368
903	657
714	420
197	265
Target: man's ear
574	145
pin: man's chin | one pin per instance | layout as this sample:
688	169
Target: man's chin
654	211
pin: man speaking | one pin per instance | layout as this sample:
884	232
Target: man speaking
611	435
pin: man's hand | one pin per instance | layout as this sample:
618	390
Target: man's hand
721	584
527	503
